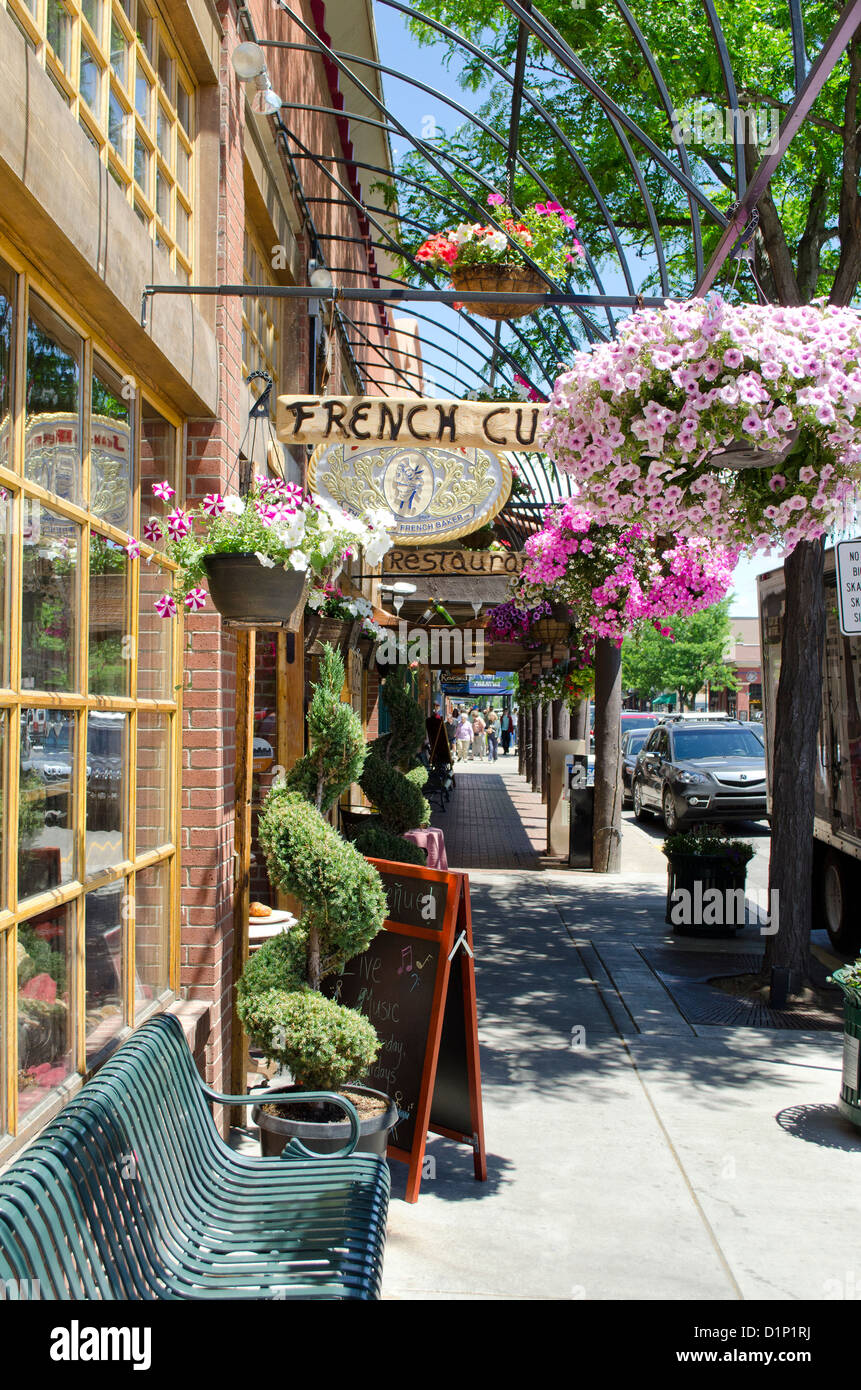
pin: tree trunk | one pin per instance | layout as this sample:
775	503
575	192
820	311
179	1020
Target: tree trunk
799	701
607	832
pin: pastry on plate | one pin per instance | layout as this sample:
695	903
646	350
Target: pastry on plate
259	910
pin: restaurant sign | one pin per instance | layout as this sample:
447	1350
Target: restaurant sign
436	493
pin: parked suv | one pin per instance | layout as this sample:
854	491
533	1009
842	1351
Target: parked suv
690	770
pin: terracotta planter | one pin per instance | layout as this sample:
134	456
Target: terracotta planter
246	592
513	279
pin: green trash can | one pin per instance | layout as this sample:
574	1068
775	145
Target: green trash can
850	1088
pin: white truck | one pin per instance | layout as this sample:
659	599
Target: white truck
837	823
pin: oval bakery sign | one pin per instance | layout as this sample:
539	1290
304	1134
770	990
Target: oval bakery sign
438	466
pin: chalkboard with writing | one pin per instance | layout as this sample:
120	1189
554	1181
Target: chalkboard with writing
393	984
416	984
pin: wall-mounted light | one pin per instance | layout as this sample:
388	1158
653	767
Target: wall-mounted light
319	276
249	64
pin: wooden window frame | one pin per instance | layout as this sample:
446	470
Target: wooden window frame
80	703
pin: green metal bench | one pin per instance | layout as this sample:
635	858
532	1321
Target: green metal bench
131	1193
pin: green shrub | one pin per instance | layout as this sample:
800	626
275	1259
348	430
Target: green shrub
323	1043
378	843
391	780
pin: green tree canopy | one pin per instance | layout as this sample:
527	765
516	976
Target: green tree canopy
694	656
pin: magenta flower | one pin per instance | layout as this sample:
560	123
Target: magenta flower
163	491
133	549
213	504
178	524
777	482
165	606
152	531
495	200
195	600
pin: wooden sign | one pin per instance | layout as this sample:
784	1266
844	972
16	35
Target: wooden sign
434	492
407	420
490	563
416	984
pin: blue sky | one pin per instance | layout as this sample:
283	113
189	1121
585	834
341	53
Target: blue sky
417	111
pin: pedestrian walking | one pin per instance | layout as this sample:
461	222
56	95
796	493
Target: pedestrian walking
479	742
505	732
492	735
463	737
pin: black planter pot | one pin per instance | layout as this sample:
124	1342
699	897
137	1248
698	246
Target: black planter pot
352	823
325	1137
697	874
244	591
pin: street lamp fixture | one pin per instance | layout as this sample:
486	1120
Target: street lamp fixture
319	276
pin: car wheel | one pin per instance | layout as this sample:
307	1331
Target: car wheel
671	820
838	902
640	812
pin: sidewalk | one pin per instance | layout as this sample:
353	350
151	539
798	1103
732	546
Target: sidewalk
632	1153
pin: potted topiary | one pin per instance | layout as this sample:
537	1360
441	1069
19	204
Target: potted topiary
704	869
392	778
258	552
326	1046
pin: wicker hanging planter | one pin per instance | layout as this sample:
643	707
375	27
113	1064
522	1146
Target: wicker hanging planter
338	633
556	627
513	279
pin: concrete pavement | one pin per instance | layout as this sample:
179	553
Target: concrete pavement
632	1153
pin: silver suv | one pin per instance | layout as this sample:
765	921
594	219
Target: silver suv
690	770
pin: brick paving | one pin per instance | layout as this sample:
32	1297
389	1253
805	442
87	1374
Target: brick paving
494	820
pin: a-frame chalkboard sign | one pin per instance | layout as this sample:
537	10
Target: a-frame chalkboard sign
416	983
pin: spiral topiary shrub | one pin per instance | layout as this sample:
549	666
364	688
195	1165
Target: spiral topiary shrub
323	1043
392	778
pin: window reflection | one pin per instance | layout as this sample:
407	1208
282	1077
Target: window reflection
45	990
53	439
158	458
7	324
111	466
152	915
153	781
107	745
109	649
46	800
103	954
49	599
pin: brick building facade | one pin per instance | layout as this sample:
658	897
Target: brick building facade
130	155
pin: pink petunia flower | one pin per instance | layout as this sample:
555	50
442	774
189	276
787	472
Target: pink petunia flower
495	200
213	504
133	549
163	491
152	531
165	606
195	600
178	524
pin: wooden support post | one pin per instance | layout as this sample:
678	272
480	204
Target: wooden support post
245	657
580	721
551	719
537	746
607	832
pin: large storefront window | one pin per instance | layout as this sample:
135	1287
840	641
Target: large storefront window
89	713
117	68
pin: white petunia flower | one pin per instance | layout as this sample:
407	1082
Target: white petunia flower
298	560
265	560
234	506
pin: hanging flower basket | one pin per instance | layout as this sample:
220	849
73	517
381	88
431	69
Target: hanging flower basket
555	628
244	591
493	259
501	279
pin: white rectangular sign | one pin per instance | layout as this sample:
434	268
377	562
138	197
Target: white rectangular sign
849	586
850	1062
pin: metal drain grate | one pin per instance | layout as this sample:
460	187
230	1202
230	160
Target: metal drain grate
685	976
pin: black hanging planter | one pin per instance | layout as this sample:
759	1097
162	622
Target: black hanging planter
244	591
